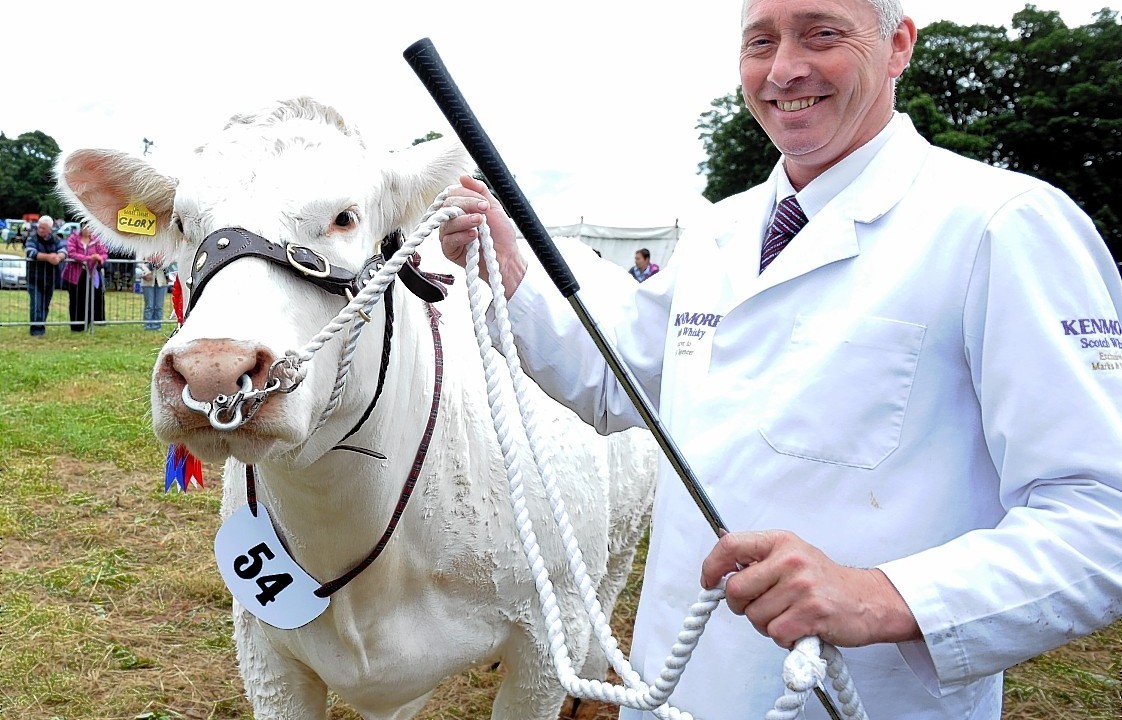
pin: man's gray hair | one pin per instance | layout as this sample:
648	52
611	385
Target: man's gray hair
889	14
46	220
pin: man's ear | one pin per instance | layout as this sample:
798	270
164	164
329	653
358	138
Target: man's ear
903	41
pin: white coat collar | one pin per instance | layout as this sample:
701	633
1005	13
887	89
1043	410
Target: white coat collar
831	235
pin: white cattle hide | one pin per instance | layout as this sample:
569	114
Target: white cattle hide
452	589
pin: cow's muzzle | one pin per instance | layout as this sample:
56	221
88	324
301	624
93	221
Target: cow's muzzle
225	380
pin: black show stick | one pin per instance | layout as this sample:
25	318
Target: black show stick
428	66
426	63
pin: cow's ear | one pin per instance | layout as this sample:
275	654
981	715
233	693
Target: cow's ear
414	177
99	184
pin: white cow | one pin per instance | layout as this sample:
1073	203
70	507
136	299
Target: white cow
451	589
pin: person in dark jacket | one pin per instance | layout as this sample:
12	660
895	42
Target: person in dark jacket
45	250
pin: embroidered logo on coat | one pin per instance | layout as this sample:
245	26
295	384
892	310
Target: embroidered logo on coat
690	324
690	328
1098	334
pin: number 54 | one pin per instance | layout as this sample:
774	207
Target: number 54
248	569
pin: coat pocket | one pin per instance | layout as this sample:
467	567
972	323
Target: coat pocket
842	391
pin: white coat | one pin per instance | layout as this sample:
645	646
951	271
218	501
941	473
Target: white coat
928	380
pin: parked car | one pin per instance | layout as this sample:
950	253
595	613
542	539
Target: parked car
68	228
13	273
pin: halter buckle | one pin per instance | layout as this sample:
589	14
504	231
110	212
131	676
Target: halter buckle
289	251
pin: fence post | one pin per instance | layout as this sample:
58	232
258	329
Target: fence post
89	300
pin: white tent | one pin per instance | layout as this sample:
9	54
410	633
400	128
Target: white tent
619	244
619	215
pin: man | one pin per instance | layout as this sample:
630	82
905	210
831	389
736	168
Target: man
45	250
643	268
922	389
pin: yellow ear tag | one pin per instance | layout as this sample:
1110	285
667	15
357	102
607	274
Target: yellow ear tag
136	219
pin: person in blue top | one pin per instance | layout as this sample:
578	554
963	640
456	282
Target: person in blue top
644	268
45	250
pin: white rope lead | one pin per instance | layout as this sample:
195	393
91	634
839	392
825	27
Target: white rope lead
806	667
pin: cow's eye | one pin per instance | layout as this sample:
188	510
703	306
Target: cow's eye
346	219
179	224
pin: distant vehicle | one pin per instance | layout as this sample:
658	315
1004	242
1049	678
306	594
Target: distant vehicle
68	228
13	273
12	229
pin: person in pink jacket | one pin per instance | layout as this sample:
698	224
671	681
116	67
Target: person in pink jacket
83	278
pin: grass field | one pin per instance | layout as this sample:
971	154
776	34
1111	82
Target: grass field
110	604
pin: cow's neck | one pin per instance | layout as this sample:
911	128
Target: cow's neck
333	512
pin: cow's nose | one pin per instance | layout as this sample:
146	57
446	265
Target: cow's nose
210	368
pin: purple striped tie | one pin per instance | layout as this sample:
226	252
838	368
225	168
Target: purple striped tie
785	225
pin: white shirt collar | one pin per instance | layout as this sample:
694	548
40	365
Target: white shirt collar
826	186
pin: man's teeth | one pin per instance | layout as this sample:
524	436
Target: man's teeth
794	105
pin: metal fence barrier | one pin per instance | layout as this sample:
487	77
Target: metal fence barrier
120	291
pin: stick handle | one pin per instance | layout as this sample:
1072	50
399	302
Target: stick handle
428	66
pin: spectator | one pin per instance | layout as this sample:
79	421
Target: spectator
83	278
45	251
154	285
644	268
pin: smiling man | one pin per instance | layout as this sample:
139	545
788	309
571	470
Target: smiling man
911	408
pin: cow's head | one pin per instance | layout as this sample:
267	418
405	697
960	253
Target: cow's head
296	175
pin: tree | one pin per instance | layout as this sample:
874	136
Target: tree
959	78
1039	98
1065	124
27	182
740	154
430	135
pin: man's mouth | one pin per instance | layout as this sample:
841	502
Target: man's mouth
796	105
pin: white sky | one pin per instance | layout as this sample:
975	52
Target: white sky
593	104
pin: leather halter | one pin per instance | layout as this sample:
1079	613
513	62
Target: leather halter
225	245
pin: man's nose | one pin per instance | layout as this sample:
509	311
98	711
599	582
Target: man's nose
788	65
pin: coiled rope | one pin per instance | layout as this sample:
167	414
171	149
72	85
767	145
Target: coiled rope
808	664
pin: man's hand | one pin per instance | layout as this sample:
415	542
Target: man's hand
789	590
52	258
456	234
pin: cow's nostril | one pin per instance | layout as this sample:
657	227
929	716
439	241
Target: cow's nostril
260	372
210	368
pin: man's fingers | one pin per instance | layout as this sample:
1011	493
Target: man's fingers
472	183
751	586
733	552
469	203
460	224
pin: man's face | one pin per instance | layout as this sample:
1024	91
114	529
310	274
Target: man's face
44	229
818	77
640	261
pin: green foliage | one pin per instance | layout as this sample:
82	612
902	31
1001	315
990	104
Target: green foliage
1066	127
430	135
1039	97
26	175
740	154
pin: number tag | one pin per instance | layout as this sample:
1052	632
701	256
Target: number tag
262	575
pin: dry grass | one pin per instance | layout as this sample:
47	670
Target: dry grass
111	606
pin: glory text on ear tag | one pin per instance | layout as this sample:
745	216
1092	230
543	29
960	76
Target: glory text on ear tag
136	219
